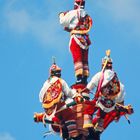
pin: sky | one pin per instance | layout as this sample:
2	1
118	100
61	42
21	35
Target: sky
30	34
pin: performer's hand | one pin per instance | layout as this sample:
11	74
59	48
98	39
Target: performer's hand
38	117
129	109
78	99
35	118
61	14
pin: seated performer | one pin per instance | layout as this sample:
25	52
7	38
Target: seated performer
52	96
108	97
78	23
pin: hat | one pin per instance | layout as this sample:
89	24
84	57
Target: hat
79	4
107	60
55	70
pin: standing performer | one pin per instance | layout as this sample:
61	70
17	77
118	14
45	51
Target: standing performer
53	95
110	93
78	23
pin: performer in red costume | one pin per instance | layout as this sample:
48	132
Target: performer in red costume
114	115
108	101
78	23
53	96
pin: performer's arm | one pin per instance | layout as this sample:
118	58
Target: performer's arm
94	81
121	95
66	18
42	91
67	91
71	18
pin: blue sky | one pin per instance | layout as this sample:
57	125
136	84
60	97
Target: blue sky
30	35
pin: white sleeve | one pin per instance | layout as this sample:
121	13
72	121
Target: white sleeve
71	18
66	90
82	12
66	19
94	81
121	95
42	91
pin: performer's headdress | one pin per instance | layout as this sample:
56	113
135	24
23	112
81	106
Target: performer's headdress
107	61
79	4
55	70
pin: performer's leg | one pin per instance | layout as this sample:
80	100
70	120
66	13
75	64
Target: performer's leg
85	66
77	59
65	134
88	112
79	79
63	129
99	119
113	116
70	122
110	117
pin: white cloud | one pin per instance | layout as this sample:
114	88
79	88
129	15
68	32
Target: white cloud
122	9
6	136
20	20
124	13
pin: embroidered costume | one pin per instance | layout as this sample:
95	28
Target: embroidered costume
53	95
109	92
78	23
